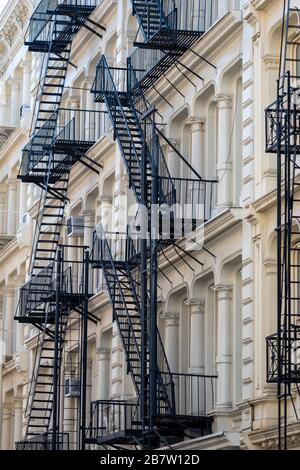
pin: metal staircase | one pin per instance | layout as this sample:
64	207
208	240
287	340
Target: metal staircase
283	138
119	256
120	261
150	16
49	296
126	123
60	315
40	398
49	156
125	111
35	294
52	29
169	29
131	270
170	24
124	262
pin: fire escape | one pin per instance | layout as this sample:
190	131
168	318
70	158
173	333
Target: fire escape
169	406
283	139
55	298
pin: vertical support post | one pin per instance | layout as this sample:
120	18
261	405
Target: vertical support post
84	349
56	364
288	228
154	234
279	287
144	299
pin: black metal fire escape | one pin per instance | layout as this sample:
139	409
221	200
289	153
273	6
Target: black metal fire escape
283	139
57	285
130	265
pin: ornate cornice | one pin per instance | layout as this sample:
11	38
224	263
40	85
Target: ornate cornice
13	23
267	439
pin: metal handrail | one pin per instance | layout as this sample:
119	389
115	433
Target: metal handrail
105	68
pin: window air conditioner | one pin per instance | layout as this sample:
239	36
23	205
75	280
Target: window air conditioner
75	226
72	387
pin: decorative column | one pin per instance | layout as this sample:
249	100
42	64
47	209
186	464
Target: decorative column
172	339
22	201
18	419
224	164
89	382
69	415
74	105
224	347
89	224
173	159
26	89
103	355
20	281
73	248
131	36
90	119
106	212
2	210
15	103
197	354
26	94
198	191
6	427
197	335
4	114
73	243
12	205
198	144
9	320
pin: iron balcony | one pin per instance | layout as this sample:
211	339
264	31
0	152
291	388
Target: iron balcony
68	134
284	367
41	288
54	23
44	442
171	25
116	422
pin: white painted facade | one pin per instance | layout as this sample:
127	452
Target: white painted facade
213	318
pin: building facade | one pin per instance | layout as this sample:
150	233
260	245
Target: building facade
217	300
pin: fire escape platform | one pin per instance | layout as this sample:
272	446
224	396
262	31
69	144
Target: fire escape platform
167	39
71	17
80	9
172	429
67	152
74	300
155	73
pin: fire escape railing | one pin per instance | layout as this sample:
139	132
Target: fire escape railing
172	17
283	138
172	31
44	442
117	83
119	250
71	283
64	130
194	397
289	370
42	20
57	286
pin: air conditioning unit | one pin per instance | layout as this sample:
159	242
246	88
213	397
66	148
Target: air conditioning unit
75	226
72	387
